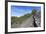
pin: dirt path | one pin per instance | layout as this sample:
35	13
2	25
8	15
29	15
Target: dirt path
27	23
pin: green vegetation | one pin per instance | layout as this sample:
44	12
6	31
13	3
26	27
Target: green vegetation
19	20
34	11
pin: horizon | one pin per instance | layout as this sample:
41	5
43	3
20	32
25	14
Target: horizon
19	11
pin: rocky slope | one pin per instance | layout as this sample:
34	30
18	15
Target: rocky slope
29	22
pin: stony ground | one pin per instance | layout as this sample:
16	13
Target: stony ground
29	22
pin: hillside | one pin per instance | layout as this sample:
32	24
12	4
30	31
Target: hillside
26	20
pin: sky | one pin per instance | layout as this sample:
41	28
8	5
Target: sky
21	10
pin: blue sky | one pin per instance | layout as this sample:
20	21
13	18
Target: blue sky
21	10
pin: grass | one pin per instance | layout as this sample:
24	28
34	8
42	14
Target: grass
19	20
